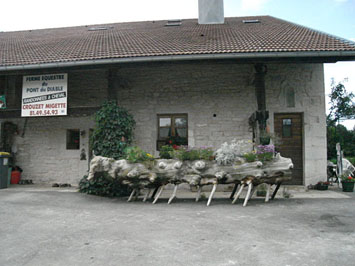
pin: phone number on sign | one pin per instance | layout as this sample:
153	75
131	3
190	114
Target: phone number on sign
44	112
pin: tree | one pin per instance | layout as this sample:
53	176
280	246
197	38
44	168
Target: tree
342	107
341	104
340	134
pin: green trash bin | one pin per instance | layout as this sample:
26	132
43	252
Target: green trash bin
9	177
4	169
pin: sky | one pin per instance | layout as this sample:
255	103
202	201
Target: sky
336	17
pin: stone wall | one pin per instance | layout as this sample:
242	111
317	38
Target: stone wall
307	81
218	97
42	152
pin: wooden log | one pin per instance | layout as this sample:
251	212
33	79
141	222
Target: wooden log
234	190
211	195
137	194
173	195
239	193
198	193
198	173
158	195
132	194
267	192
252	192
155	192
146	195
247	197
276	189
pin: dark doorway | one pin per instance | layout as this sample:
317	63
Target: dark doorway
289	127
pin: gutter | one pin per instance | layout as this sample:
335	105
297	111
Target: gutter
260	55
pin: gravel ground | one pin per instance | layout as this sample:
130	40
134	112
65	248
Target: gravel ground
57	226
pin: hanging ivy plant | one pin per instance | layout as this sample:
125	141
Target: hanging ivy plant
113	131
112	134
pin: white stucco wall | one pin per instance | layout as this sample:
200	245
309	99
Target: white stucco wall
307	80
200	90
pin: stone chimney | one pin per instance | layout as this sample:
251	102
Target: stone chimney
210	12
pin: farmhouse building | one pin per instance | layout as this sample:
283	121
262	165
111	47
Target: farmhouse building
205	82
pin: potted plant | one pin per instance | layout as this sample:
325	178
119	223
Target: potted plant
186	153
265	152
166	152
250	157
322	185
266	137
347	183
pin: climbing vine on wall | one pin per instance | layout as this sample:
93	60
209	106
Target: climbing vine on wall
113	131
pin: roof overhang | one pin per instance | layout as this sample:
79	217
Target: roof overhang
304	56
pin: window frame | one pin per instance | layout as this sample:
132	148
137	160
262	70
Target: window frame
70	146
172	116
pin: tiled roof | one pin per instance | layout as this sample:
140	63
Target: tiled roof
153	38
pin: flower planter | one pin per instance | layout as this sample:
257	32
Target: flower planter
348	186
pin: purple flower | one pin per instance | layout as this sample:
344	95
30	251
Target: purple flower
265	149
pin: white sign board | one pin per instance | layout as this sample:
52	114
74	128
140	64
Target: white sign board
44	95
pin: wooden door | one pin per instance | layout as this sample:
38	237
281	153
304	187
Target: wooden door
289	127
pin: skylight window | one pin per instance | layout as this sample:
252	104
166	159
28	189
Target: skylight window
174	22
99	28
248	21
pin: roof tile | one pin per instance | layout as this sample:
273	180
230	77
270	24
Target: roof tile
152	38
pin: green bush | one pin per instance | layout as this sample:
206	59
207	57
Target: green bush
166	152
267	156
351	159
113	131
206	154
103	185
112	134
136	155
250	157
345	137
185	153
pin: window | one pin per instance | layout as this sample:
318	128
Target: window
73	139
172	129
286	127
248	21
174	22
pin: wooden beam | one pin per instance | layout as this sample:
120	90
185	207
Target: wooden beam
260	72
111	93
262	114
234	190
275	191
